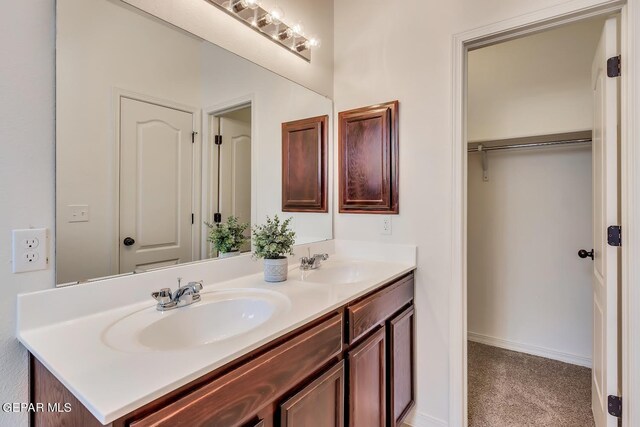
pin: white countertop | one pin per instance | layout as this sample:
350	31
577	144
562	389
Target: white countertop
111	382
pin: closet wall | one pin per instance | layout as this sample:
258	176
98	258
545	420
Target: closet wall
527	288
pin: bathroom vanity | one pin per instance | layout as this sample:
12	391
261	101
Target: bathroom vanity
335	347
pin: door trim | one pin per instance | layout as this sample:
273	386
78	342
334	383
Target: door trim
630	185
208	113
117	95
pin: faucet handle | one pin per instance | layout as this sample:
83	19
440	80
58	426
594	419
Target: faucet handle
323	257
196	286
163	296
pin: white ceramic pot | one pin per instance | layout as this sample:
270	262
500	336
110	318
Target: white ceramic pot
228	254
275	270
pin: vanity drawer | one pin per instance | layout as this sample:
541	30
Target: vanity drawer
367	314
237	396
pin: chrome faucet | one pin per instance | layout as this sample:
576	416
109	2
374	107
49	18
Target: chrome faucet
312	262
184	295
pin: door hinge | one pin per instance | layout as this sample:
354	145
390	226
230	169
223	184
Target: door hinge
193	219
614	235
217	139
217	217
193	136
615	406
613	66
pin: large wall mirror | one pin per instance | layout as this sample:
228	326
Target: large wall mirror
139	169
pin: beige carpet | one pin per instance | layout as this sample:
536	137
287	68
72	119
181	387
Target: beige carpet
507	388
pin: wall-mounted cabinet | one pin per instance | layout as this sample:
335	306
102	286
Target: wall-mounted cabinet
353	367
304	165
368	159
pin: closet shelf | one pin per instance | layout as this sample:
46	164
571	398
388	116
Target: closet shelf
581	137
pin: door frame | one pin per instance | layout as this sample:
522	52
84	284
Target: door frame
117	95
208	113
630	185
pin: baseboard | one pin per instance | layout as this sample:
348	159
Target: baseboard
530	349
417	419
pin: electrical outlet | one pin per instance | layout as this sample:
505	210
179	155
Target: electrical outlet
30	250
386	225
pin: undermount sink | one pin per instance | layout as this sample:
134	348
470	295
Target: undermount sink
341	272
219	316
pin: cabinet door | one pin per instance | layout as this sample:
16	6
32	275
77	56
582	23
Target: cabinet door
401	366
320	404
367	382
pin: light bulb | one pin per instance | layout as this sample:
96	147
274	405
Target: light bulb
298	29
313	42
277	15
239	5
252	4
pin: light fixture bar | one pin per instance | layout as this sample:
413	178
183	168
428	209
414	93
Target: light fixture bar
272	27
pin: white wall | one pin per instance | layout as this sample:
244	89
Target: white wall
276	100
527	288
404	52
93	59
533	85
26	169
210	23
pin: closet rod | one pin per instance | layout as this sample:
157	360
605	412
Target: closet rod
481	147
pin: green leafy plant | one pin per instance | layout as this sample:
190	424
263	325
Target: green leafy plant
227	236
274	239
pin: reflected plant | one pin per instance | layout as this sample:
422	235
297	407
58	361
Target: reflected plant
227	236
274	239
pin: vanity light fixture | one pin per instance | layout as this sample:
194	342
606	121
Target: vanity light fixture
269	22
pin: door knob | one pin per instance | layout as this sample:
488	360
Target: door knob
582	253
128	241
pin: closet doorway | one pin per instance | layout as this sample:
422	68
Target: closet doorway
542	190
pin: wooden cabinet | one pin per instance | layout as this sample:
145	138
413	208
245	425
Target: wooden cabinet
320	404
304	165
368	159
354	367
367	382
401	366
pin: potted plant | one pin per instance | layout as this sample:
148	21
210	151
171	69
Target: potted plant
227	237
272	242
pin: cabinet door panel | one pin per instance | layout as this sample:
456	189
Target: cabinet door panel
320	404
401	366
367	382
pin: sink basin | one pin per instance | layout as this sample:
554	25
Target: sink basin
220	315
341	273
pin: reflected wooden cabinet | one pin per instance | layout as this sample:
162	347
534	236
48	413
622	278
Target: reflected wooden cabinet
353	367
304	165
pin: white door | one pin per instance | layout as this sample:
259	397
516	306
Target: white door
155	185
235	169
605	213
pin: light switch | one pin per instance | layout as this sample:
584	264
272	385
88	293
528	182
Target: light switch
78	213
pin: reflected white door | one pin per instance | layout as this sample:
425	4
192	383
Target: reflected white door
155	185
235	170
605	213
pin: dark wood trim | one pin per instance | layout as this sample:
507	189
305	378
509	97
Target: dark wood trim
301	407
365	315
303	192
401	368
375	191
